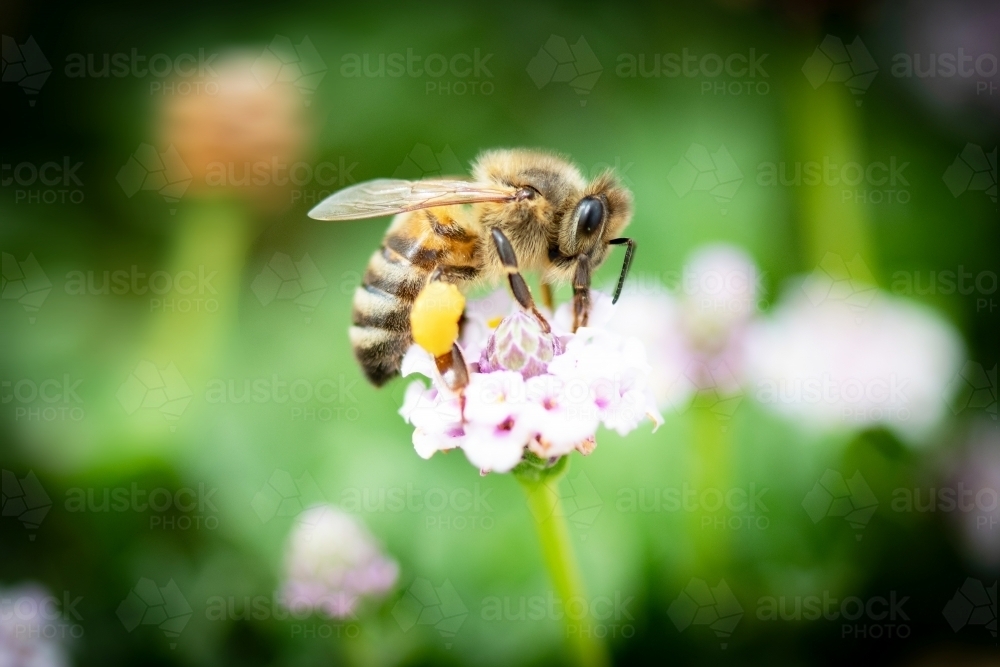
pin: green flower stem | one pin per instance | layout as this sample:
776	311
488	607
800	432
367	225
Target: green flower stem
191	330
540	485
826	127
710	468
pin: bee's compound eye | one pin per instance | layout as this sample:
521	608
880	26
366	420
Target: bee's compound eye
591	215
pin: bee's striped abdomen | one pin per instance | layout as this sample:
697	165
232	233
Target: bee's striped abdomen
381	315
396	273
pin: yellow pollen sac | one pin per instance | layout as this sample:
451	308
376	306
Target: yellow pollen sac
435	315
494	323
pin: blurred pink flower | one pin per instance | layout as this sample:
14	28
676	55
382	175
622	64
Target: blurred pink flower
978	471
27	632
830	366
547	392
694	335
331	562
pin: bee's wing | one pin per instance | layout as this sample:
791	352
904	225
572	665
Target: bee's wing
388	196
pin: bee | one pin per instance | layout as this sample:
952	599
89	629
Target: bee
522	209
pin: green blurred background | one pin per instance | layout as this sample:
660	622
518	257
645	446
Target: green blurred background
242	325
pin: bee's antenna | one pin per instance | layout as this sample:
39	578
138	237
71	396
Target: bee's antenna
626	265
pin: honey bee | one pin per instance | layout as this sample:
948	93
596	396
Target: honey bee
522	209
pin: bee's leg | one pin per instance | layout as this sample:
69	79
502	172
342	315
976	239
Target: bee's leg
517	285
581	292
547	300
454	371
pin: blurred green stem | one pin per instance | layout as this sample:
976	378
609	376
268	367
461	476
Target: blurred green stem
211	244
710	469
540	483
824	129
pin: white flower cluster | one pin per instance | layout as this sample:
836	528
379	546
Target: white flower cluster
530	390
823	363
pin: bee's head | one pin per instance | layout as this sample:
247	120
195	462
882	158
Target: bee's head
597	217
557	211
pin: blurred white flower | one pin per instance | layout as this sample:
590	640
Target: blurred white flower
694	337
977	482
27	631
546	392
331	562
830	366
